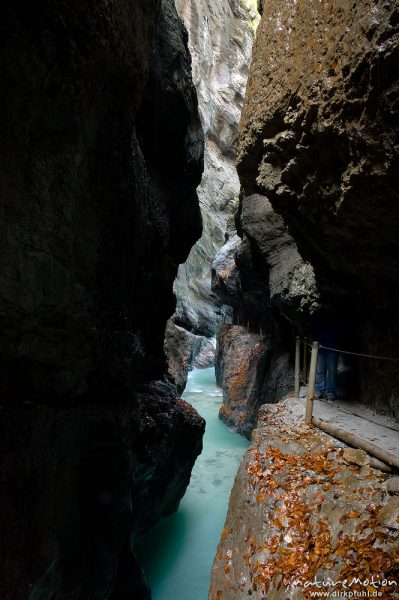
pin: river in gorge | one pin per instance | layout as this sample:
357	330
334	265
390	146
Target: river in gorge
177	554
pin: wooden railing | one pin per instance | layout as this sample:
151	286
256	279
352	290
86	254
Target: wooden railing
349	438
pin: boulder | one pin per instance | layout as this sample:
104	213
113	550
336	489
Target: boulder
355	456
389	514
392	485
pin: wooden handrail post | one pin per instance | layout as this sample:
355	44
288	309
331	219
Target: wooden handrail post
311	384
297	364
305	361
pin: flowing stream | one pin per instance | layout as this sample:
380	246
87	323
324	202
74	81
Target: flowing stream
177	554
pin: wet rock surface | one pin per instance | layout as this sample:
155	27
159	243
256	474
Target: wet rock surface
240	362
98	207
239	284
107	222
220	40
292	285
186	351
319	139
252	371
269	289
300	512
80	485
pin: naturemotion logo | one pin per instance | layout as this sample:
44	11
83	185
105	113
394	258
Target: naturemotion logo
347	588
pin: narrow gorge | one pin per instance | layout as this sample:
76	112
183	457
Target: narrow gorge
220	41
185	184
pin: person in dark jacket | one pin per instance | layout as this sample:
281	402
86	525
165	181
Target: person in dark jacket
325	329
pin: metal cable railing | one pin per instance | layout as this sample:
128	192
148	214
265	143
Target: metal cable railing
350	438
339	351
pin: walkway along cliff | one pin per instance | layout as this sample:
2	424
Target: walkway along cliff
318	160
101	154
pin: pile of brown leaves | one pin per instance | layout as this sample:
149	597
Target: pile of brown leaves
302	543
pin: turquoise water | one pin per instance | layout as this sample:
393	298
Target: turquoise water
177	554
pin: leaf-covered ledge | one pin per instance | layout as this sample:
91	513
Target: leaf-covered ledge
303	515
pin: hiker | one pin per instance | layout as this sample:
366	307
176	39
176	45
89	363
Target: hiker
325	329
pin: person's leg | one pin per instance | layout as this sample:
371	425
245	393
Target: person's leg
320	384
331	380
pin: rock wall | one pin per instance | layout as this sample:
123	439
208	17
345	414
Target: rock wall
186	351
220	40
271	291
304	510
291	281
241	359
102	152
319	139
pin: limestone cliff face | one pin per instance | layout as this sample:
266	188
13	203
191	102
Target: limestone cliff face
241	359
252	368
99	202
271	291
186	351
101	153
319	138
220	40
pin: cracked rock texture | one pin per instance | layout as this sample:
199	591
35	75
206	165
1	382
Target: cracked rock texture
252	369
220	40
240	362
101	151
319	139
186	351
271	291
299	511
291	281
